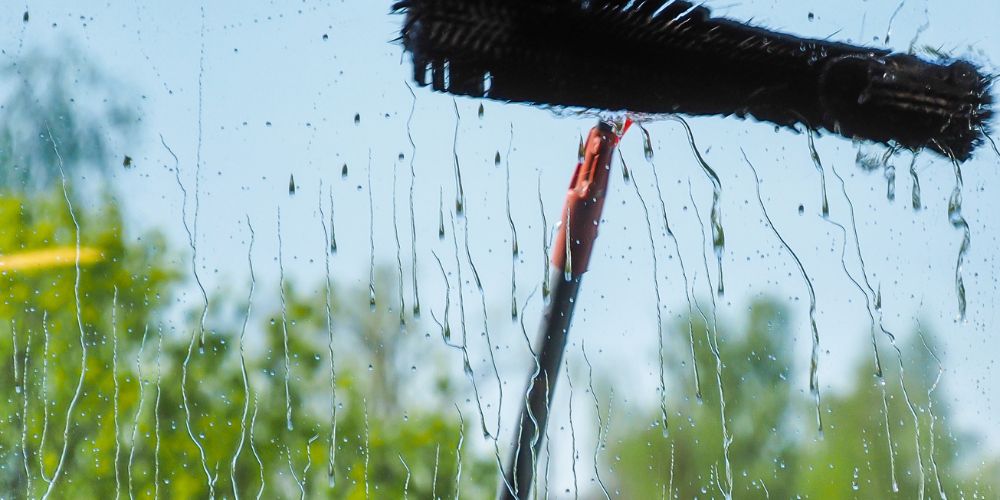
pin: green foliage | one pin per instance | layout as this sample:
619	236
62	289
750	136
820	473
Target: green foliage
129	428
776	450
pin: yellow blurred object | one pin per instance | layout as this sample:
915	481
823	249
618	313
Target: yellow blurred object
48	258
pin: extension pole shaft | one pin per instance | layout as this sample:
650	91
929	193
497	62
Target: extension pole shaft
571	254
535	413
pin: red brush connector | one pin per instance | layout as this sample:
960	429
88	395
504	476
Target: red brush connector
585	202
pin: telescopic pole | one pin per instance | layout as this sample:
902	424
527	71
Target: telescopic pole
570	256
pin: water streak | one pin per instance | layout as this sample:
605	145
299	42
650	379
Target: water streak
156	415
600	423
459	192
873	301
715	218
79	320
446	324
371	238
513	235
399	250
458	453
441	213
138	410
253	447
687	289
545	242
915	194
958	221
284	327
24	411
413	218
824	201
572	431
814	358
406	483
713	344
243	362
659	313
45	397
930	409
116	391
192	243
327	299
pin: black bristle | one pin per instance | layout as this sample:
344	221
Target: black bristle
663	56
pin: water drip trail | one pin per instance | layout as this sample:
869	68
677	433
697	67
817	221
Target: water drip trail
659	313
572	431
156	416
513	234
458	453
406	483
687	287
253	447
191	234
24	411
877	319
197	181
371	238
718	235
600	423
45	397
713	343
814	359
446	323
243	362
138	410
333	230
527	405
930	409
486	330
441	213
413	219
399	250
489	346
873	309
459	192
915	194
79	320
958	222
327	298
284	327
466	364
368	449
437	456
545	243
824	201
114	380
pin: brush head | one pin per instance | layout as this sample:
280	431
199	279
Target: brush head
663	56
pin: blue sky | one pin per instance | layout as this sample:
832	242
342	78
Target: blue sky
279	99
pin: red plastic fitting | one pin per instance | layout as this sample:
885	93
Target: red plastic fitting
584	202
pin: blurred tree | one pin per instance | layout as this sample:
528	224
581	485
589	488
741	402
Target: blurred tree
128	428
60	96
776	451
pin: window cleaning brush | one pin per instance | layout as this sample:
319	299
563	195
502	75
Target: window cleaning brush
663	56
